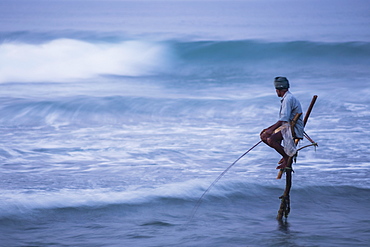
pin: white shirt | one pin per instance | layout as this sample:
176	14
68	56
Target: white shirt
290	106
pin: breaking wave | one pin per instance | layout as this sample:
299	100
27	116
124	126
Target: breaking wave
68	59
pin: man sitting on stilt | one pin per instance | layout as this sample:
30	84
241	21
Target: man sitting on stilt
290	106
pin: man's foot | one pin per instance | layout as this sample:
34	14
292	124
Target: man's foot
283	163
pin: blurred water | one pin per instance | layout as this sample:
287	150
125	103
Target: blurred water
116	116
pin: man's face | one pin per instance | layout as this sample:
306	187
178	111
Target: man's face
280	93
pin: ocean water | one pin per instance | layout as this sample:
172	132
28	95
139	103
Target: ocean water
116	116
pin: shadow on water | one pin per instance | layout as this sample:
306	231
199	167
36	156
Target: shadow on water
284	226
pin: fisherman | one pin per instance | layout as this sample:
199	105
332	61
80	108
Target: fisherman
290	106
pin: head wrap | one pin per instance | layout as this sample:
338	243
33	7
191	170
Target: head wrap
281	83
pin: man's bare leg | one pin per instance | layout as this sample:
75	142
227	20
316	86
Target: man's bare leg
274	141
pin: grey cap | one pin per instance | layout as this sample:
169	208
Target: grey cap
281	82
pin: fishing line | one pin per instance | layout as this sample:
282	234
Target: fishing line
216	180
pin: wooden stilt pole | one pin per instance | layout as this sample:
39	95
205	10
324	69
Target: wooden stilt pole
284	209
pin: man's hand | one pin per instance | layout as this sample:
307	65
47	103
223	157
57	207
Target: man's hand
266	133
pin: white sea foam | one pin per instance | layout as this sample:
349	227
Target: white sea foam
15	202
67	59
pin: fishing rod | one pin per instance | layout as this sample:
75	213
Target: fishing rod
218	178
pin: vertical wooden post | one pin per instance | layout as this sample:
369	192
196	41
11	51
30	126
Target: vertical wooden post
284	209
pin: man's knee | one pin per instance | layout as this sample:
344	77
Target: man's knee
264	138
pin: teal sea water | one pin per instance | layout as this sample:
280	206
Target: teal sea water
116	116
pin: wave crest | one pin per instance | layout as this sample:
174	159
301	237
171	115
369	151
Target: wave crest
68	59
